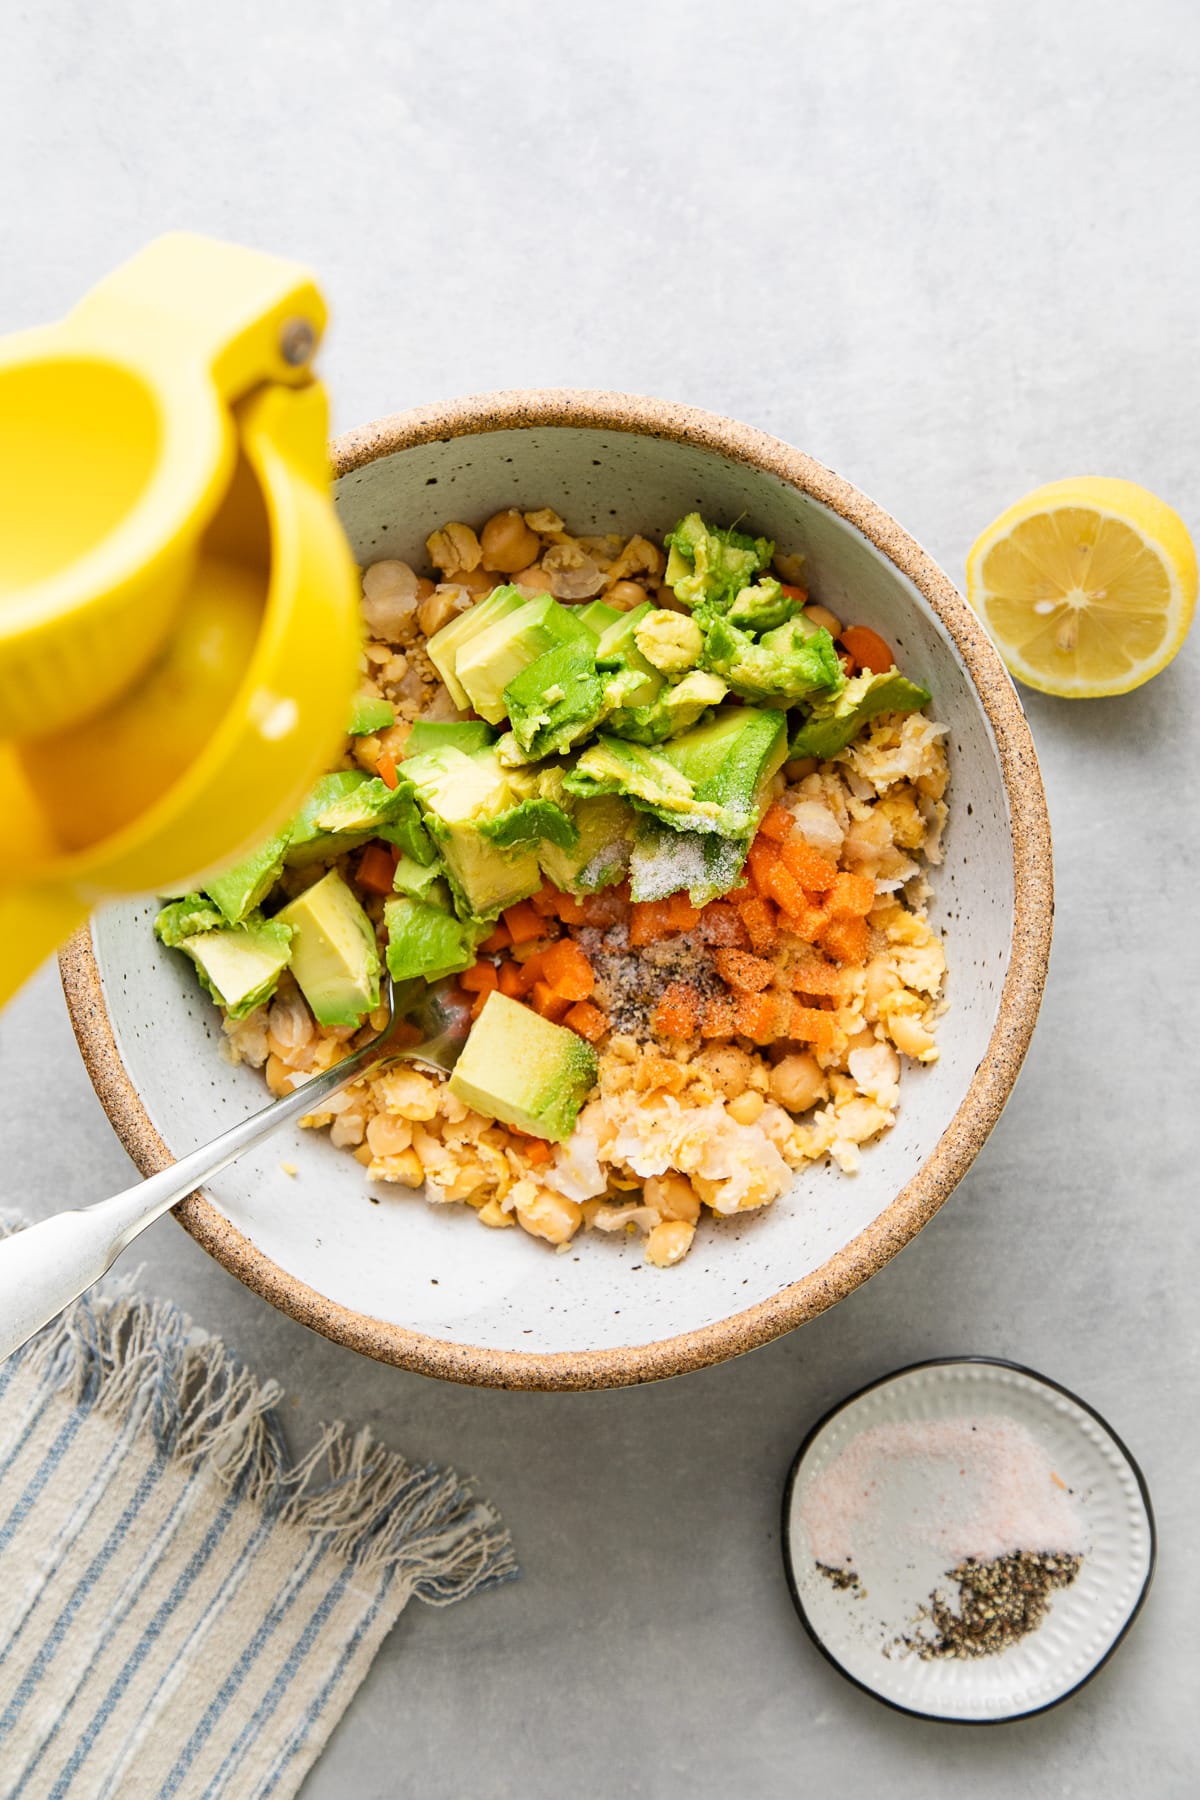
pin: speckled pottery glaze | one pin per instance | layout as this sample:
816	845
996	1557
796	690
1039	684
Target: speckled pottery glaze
425	1287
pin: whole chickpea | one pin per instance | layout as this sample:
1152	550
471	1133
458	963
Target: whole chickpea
534	578
507	542
477	582
821	615
672	1197
728	1068
669	1242
625	595
435	612
798	1082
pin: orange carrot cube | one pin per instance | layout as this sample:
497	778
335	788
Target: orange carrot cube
523	923
587	1020
778	823
744	973
847	940
815	873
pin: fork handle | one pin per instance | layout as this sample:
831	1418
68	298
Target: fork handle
46	1266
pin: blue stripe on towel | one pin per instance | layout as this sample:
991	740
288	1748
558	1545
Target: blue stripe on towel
153	1631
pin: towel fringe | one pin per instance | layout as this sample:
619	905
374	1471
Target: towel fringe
142	1361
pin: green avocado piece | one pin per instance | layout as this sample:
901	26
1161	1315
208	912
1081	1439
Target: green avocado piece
367	714
456	793
524	1071
556	700
638	682
335	957
241	964
379	811
834	723
467	735
490	661
597	615
307	842
644	777
676	709
707	566
525	825
762	606
418	879
731	761
240	889
665	862
445	645
605	829
792	662
185	918
426	940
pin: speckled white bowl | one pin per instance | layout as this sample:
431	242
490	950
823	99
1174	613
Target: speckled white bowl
424	1286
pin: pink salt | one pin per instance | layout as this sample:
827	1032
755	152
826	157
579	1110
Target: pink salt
961	1487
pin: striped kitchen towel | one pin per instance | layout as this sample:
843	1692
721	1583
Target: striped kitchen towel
185	1611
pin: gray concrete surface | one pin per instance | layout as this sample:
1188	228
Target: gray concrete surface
950	248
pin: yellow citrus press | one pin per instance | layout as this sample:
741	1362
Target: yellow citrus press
179	624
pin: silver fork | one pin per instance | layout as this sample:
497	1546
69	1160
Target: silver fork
46	1266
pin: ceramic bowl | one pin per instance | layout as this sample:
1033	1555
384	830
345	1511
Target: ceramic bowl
425	1286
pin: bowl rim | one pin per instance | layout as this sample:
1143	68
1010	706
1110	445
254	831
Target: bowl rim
977	1112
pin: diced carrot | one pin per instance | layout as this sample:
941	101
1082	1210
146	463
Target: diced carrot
570	910
385	768
500	939
811	1026
778	823
587	1020
545	901
568	970
849	666
754	1016
807	922
522	922
717	1018
868	648
852	897
682	914
816	978
377	868
651	920
720	924
677	1014
847	940
536	1151
511	979
744	973
744	890
548	1001
798	594
758	916
762	859
532	967
481	978
815	873
780	885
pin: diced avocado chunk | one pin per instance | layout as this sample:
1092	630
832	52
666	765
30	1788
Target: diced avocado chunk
605	830
666	862
426	940
487	664
670	641
417	879
368	714
792	662
240	965
520	1069
556	700
731	761
646	778
707	566
636	681
307	841
335	957
597	615
676	709
187	918
834	723
240	889
445	645
762	606
373	809
467	735
457	793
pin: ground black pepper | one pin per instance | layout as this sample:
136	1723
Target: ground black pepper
999	1602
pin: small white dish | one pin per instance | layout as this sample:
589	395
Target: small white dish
859	1628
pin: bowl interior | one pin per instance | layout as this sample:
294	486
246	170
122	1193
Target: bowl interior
434	1270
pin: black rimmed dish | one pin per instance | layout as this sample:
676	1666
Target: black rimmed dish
866	1622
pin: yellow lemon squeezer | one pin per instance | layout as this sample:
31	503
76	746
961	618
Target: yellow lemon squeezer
179	626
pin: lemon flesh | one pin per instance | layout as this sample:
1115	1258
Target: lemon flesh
1087	586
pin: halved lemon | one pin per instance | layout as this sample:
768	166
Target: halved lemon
1087	586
